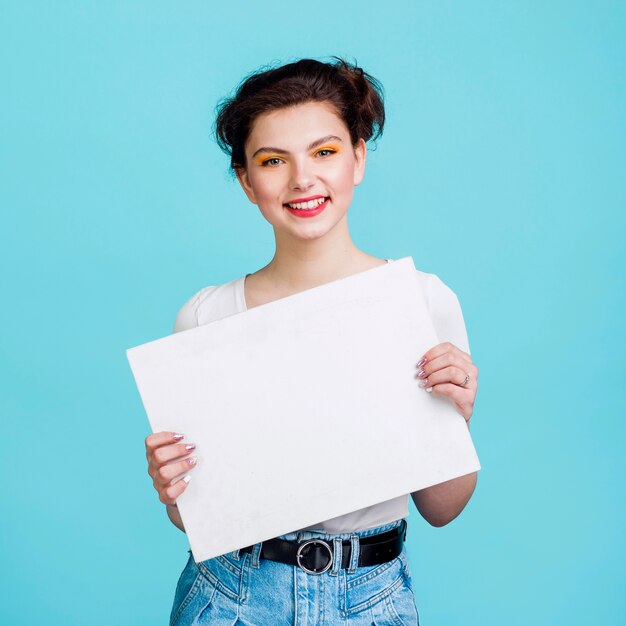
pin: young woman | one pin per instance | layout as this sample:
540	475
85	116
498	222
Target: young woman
296	136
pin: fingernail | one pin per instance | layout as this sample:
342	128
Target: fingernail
190	446
421	362
429	389
178	436
187	478
192	461
423	383
421	373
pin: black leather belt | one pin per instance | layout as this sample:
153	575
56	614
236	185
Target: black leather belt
315	556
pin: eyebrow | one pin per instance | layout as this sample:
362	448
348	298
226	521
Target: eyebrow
317	142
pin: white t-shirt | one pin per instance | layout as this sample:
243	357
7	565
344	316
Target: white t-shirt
215	302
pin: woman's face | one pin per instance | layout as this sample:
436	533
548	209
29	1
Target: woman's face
302	154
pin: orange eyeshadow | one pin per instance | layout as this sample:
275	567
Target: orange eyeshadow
265	157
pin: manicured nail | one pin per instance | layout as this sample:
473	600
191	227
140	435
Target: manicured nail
429	389
178	436
187	478
192	461
421	373
423	383
421	362
190	446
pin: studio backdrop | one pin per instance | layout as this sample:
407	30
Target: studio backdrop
500	170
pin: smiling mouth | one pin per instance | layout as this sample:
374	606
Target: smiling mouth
307	206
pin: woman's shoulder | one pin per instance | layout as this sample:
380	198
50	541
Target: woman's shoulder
445	310
210	303
434	288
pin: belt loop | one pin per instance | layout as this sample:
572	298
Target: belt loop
235	554
337	555
355	548
256	555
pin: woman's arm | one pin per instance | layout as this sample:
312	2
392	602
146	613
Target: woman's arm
448	371
174	514
441	503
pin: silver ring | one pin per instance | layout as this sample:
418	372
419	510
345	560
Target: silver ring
465	381
308	543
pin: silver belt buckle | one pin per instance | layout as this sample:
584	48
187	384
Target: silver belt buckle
300	555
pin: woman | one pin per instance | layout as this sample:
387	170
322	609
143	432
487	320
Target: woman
297	138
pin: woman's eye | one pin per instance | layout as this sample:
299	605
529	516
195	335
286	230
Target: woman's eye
325	152
271	162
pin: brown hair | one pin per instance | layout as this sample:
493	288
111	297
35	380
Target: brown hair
356	96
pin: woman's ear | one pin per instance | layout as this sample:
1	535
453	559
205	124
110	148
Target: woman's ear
360	156
244	181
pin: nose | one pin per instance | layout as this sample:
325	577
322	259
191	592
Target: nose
301	176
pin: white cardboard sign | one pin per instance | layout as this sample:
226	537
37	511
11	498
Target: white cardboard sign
303	409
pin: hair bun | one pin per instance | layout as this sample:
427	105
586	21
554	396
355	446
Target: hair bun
357	97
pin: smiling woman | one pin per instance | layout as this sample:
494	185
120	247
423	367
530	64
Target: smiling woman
306	176
297	140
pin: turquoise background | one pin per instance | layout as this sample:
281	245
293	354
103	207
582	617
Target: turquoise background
501	170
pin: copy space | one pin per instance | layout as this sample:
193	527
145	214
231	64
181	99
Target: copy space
303	409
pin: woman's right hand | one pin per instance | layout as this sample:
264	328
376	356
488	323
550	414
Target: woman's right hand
164	452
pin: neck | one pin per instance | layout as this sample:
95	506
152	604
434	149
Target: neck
303	264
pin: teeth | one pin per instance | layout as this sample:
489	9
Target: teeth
305	206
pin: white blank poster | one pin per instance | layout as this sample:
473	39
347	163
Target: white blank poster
303	409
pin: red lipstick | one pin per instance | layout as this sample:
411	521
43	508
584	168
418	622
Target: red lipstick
308	212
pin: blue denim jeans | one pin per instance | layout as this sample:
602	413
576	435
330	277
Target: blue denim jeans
245	590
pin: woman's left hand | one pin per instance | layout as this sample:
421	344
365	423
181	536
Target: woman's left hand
448	371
